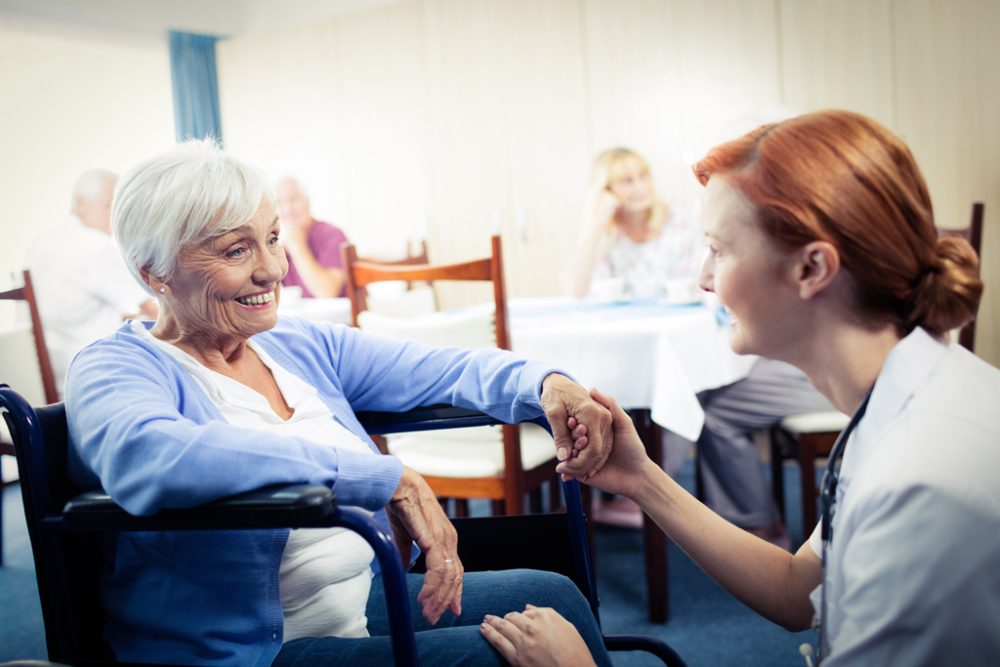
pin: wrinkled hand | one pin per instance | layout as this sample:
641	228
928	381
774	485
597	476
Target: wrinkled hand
536	637
563	399
625	466
415	513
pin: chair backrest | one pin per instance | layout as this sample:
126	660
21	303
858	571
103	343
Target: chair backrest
361	274
404	298
67	564
26	293
472	328
974	235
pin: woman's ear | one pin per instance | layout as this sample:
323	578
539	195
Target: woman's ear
817	267
155	284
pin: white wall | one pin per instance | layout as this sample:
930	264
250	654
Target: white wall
71	101
477	115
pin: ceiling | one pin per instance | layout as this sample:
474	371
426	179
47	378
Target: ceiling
153	18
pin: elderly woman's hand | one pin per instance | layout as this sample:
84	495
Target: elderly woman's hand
536	637
562	400
415	512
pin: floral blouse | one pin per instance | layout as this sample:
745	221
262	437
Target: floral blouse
647	268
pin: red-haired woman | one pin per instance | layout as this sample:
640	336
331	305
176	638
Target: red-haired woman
823	246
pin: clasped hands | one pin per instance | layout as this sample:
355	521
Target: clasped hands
581	427
595	439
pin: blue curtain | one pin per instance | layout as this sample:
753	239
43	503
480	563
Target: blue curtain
195	86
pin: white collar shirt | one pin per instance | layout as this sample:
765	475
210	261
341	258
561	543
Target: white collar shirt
83	287
913	570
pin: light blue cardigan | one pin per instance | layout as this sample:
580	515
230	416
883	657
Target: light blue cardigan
142	429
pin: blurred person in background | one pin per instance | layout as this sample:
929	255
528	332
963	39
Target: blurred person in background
631	244
83	288
312	246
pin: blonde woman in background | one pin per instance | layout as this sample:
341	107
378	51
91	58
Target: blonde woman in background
631	242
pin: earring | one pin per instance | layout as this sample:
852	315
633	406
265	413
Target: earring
163	290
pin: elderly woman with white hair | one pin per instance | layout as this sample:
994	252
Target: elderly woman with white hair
219	396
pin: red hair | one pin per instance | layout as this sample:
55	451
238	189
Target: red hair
841	177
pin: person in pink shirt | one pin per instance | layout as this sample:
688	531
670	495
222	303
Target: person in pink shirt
312	246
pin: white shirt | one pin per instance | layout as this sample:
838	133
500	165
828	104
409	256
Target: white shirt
83	287
913	571
649	269
325	574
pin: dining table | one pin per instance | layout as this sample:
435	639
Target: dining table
653	356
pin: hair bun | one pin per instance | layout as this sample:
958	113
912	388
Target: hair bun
947	296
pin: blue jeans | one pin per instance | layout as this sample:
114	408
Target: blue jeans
455	640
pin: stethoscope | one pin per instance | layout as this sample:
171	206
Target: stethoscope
828	506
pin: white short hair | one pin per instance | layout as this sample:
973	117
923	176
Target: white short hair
91	183
182	197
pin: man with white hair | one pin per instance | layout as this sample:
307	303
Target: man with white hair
83	287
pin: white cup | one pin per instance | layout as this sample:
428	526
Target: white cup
683	290
607	289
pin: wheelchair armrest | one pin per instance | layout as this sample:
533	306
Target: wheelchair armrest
424	418
279	506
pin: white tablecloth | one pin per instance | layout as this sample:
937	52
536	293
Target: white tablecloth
647	354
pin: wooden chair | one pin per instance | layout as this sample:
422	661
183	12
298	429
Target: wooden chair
26	293
806	437
18	364
501	464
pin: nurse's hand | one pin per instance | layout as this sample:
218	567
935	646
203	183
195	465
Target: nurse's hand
415	513
536	637
562	400
628	464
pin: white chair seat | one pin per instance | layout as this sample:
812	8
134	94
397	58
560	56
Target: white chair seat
468	452
392	298
473	327
815	422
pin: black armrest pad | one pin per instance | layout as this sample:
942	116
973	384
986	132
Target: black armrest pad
288	505
424	418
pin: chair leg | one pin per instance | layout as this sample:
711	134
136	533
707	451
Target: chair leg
499	508
777	475
555	495
807	469
699	482
654	539
461	508
535	500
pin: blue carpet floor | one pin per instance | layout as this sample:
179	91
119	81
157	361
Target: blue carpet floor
707	626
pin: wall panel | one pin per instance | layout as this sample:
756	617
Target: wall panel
837	55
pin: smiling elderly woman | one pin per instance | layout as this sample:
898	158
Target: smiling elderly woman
221	396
